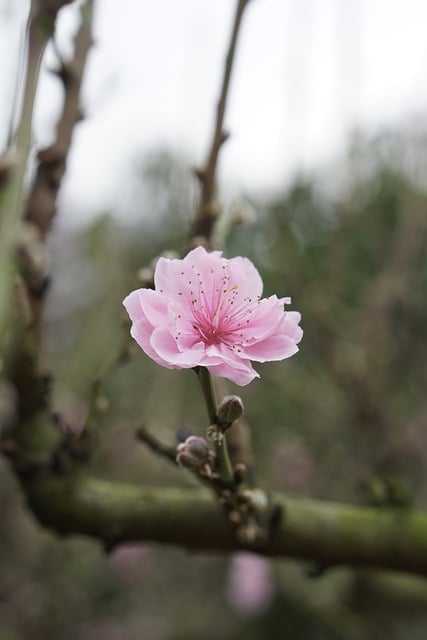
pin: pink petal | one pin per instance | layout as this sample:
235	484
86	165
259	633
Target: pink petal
141	331
152	304
250	583
275	347
202	259
172	277
240	377
246	276
281	343
225	362
292	328
263	320
132	305
165	346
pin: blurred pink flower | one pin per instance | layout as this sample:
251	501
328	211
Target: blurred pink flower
207	311
250	587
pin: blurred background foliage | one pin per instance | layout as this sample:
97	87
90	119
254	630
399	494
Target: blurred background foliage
344	420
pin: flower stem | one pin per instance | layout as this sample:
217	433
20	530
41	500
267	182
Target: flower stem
207	384
224	464
220	443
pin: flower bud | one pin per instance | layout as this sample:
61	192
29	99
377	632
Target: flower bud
256	499
215	434
194	453
146	277
247	534
230	409
242	212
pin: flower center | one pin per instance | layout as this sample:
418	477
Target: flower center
210	334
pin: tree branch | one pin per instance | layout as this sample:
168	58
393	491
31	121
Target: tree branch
208	209
12	188
41	206
156	445
23	367
326	533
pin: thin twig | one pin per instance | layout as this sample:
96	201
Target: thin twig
156	445
99	400
208	209
41	206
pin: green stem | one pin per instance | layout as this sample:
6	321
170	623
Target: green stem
208	388
221	449
224	464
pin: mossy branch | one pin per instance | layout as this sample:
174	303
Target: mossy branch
326	533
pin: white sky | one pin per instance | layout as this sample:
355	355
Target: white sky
307	73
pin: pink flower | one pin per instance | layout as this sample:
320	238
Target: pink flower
250	586
207	311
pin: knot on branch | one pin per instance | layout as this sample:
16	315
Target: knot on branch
33	259
51	157
224	136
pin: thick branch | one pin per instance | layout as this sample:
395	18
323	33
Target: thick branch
11	195
326	533
23	366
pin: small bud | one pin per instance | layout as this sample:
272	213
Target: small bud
214	434
247	534
195	454
146	277
235	517
206	470
242	212
256	499
230	409
240	472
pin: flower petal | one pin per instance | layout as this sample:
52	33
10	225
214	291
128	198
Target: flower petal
281	343
152	304
165	346
275	347
225	362
292	328
132	305
244	273
141	332
262	320
238	376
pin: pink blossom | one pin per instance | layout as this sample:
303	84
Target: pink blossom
250	586
207	311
